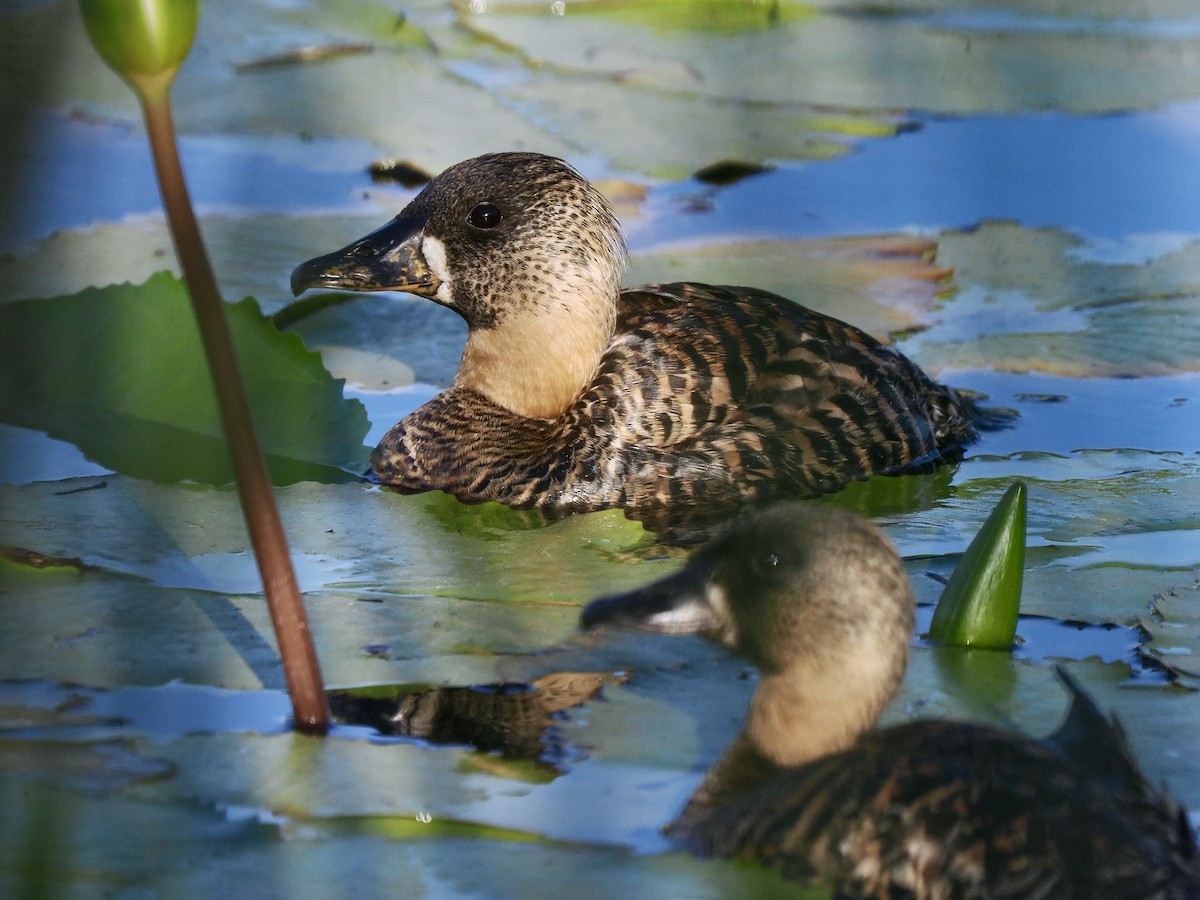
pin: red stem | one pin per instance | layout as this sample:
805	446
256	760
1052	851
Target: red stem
300	667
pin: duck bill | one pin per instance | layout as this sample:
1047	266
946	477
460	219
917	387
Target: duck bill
387	259
688	602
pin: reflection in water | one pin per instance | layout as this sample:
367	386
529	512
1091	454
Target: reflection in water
515	720
881	495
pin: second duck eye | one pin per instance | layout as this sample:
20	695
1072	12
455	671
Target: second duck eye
485	215
765	565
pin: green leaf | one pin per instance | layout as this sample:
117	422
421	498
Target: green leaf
119	371
980	604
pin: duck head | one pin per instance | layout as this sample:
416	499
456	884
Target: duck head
525	250
816	598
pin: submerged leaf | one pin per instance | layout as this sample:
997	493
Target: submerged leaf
119	371
980	604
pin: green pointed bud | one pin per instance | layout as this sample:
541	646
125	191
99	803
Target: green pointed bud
144	41
979	606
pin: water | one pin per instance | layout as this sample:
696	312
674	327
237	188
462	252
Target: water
237	174
1122	182
1116	180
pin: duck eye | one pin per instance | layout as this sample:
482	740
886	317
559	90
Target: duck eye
485	215
765	564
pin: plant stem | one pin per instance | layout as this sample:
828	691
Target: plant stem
300	667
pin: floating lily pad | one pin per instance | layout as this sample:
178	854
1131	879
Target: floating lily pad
1099	547
327	858
101	767
928	56
252	255
690	131
375	575
664	16
120	372
1172	622
58	840
881	283
378	569
1028	300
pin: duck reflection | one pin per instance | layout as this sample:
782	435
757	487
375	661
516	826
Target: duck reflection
515	720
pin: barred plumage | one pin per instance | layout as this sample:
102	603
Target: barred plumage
574	395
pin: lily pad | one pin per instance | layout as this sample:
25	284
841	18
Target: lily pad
881	283
690	132
350	536
1029	300
327	858
720	16
392	575
101	767
71	843
214	93
120	372
1173	625
378	569
929	56
252	255
1098	547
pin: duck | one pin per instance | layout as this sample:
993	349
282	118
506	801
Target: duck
818	601
574	395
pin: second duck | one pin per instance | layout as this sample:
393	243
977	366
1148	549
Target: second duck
574	395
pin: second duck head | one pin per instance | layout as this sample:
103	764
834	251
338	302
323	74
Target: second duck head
816	598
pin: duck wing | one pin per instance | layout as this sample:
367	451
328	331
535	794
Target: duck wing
732	392
944	809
